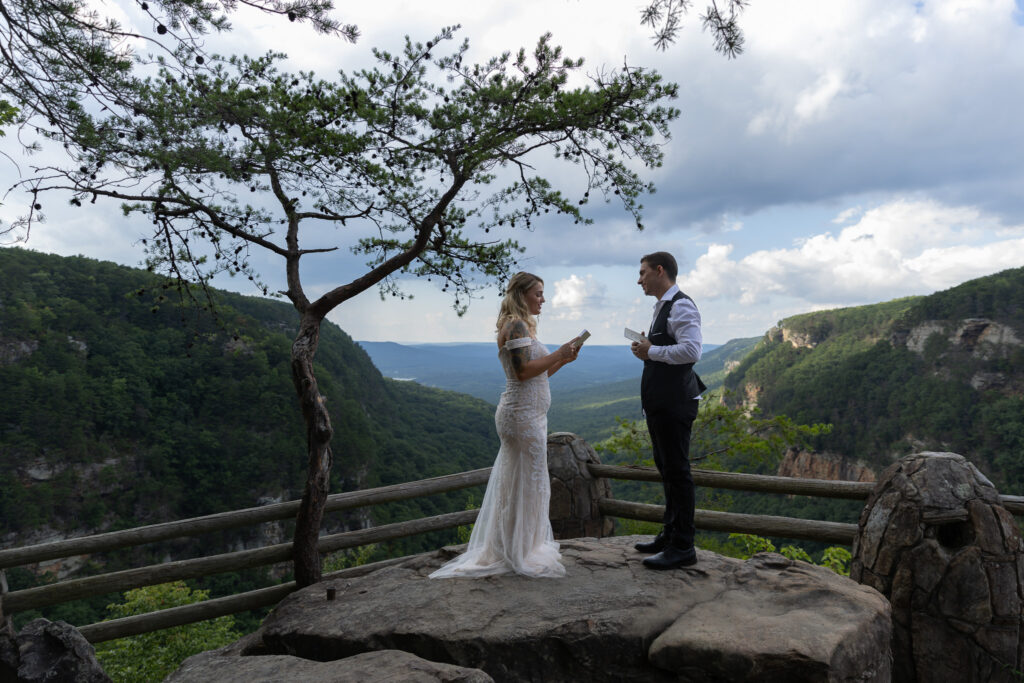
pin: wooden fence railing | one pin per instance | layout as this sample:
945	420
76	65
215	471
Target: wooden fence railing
66	591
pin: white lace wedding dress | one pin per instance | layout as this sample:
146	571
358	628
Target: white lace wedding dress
512	532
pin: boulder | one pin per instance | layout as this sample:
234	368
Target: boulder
935	539
49	651
381	666
608	619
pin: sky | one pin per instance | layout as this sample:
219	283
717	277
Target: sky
857	151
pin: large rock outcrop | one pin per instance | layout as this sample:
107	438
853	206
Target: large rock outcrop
45	651
935	539
381	666
608	619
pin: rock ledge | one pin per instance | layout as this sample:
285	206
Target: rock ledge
609	619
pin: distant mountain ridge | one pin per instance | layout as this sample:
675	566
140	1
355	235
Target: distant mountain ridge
586	397
940	372
473	368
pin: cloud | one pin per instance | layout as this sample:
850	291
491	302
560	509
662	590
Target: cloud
838	99
896	249
575	294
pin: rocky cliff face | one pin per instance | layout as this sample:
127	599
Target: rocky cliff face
803	464
980	344
797	339
979	337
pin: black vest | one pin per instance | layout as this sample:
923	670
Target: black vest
663	385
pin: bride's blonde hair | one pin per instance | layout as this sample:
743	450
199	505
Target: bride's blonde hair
513	306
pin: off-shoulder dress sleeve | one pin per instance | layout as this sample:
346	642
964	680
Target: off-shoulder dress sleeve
518	343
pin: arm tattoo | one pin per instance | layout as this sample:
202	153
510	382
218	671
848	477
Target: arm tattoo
521	355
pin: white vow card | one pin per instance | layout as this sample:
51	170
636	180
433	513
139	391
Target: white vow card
633	335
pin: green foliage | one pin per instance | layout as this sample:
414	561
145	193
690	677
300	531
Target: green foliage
634	527
464	532
666	18
795	553
744	440
7	114
836	558
729	439
723	437
153	656
57	57
997	297
350	557
751	544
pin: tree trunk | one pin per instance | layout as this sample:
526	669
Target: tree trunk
318	447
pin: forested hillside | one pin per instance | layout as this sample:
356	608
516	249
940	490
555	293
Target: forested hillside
940	372
119	411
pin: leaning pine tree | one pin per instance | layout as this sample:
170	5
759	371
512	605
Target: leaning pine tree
416	164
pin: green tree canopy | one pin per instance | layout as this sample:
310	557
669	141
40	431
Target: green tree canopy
62	60
666	18
151	657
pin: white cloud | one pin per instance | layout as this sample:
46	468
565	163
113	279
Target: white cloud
575	295
899	248
813	102
896	249
847	215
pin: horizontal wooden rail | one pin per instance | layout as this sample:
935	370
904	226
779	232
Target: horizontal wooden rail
16	557
737	481
211	609
20	601
76	589
825	488
762	525
1013	504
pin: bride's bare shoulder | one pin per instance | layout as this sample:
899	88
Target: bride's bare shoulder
514	328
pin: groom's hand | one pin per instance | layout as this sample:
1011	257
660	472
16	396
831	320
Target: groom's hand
641	348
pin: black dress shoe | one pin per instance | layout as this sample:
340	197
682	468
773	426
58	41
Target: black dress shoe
655	546
672	558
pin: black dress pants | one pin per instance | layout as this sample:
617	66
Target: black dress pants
670	438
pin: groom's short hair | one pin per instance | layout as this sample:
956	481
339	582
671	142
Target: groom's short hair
665	260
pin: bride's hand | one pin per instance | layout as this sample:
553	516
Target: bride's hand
569	350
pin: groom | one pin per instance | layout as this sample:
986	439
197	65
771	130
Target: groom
669	393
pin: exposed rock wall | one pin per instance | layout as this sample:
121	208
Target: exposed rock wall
982	338
14	350
803	464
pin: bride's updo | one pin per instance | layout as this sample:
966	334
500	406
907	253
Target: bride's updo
513	306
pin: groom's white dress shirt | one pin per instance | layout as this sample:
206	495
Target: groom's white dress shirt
683	325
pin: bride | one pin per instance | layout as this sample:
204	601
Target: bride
512	532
